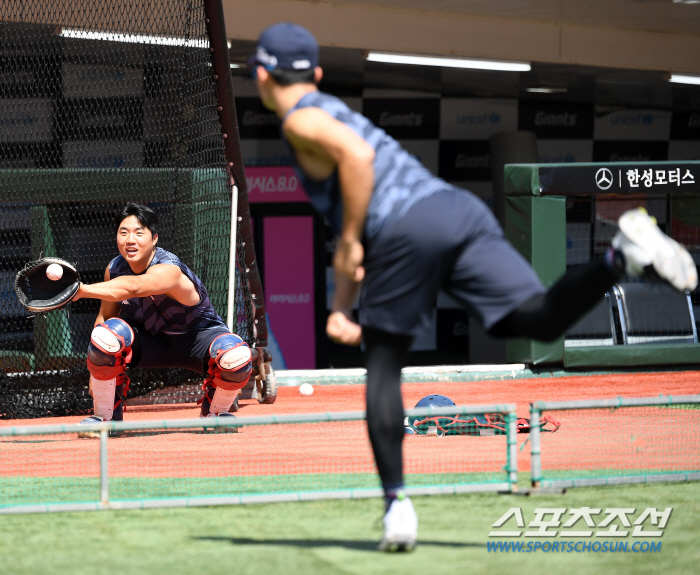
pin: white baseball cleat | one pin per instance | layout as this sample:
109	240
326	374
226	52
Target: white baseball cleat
644	244
400	526
91	420
223	415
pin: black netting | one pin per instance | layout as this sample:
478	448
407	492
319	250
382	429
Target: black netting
103	103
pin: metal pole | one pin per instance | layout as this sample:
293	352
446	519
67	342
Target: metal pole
232	261
221	68
512	450
104	475
535	461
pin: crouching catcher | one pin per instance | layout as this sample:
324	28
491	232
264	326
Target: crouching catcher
156	313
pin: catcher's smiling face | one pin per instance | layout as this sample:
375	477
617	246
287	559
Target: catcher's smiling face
136	243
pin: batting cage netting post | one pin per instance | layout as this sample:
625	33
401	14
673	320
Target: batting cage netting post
617	441
104	103
296	457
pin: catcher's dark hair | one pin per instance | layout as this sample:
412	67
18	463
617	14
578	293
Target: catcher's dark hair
288	77
145	215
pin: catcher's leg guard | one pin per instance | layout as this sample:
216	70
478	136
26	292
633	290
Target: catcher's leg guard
108	353
217	401
230	367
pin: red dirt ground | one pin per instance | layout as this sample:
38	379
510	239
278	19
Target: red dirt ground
601	438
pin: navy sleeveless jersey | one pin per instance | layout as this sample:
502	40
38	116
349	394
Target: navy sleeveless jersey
161	314
400	180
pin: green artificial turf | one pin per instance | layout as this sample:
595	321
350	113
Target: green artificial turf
20	490
338	537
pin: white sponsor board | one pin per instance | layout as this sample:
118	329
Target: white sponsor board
26	120
89	81
476	119
103	154
631	125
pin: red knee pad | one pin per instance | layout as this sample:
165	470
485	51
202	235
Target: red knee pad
105	372
215	378
230	362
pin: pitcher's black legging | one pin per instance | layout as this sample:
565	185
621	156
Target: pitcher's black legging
544	317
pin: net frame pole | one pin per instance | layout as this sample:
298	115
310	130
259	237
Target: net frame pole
104	468
511	435
232	259
538	407
506	484
221	67
535	461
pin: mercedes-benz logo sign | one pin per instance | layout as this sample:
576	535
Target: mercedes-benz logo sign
604	178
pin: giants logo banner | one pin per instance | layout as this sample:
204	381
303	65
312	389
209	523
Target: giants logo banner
685	126
405	118
630	151
556	121
256	121
466	161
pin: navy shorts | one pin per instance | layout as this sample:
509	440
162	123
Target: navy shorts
188	350
449	240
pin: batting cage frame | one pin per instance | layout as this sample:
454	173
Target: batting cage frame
637	451
498	452
128	101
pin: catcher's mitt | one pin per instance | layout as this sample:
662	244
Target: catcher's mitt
40	294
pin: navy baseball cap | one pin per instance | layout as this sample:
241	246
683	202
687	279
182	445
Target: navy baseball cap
287	46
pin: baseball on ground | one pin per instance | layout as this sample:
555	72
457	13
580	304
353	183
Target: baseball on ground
306	389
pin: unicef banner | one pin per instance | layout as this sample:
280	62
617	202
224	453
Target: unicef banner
274	184
564	151
89	81
633	125
26	120
103	154
473	119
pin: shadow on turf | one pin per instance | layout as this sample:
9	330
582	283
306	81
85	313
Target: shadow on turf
348	544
